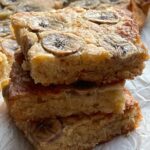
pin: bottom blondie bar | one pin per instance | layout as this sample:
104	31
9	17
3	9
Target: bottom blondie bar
81	132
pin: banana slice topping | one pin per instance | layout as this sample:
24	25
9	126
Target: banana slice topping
102	16
117	45
41	24
47	130
9	45
62	44
4	28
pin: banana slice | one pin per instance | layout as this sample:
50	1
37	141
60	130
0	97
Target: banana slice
87	4
111	1
9	45
41	24
47	130
8	2
1	7
4	28
117	45
62	44
28	7
102	16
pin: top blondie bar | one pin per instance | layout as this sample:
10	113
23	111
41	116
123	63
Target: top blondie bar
63	46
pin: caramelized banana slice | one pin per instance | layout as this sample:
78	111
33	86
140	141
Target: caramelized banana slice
117	45
9	45
21	7
40	24
34	5
25	7
41	130
87	4
4	28
8	2
112	1
62	44
102	16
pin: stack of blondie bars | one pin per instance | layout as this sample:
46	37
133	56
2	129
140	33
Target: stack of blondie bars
67	82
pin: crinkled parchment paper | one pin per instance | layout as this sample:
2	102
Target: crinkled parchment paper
12	139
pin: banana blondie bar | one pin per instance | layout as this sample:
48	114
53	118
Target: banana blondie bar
28	101
8	45
9	7
64	46
81	132
139	8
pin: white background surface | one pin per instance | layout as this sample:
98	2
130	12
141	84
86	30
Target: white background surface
12	139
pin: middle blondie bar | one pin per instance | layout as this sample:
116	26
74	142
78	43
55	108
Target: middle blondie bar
28	101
